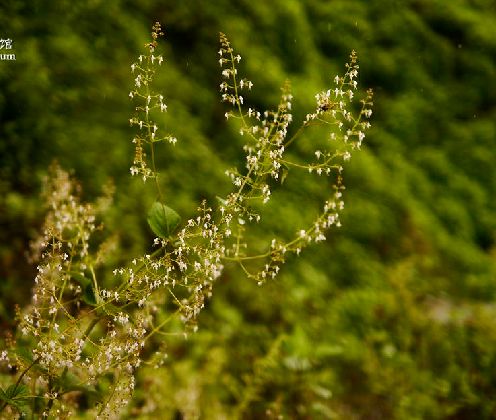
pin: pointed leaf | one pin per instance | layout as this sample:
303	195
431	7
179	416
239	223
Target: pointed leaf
80	278
3	396
162	220
89	296
15	395
25	354
12	391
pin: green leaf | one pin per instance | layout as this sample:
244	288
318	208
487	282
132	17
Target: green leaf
162	220
89	296
80	278
3	396
16	392
25	354
15	395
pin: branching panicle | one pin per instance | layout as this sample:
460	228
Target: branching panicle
147	101
88	338
266	155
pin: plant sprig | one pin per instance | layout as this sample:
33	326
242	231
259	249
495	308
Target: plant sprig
78	334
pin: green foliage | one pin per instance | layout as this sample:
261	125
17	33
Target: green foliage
87	287
162	220
15	396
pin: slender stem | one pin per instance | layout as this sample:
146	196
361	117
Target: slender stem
235	83
159	327
157	184
152	147
50	402
253	257
140	266
95	283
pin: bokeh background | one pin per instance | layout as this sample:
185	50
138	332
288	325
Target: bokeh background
394	316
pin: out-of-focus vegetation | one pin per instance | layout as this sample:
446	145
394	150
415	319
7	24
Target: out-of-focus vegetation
395	316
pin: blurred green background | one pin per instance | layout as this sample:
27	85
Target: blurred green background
394	316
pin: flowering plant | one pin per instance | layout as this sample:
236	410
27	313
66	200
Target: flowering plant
80	343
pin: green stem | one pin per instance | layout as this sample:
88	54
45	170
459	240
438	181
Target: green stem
150	138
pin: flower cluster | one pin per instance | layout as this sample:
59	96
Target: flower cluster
268	142
333	110
182	270
147	101
85	333
76	334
